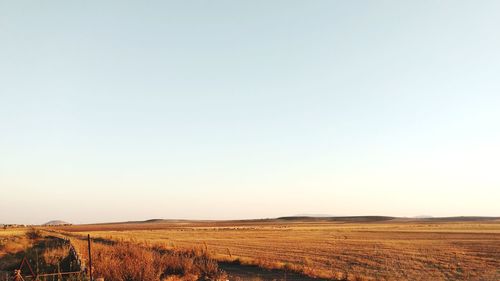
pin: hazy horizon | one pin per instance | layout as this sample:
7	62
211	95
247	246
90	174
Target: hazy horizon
124	110
418	217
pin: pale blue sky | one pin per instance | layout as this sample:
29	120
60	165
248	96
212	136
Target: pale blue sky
125	110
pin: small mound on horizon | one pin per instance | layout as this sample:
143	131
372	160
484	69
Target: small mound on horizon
155	221
340	219
56	223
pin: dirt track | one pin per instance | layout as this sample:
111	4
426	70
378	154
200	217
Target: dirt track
238	272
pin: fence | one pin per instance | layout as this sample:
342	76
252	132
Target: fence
20	274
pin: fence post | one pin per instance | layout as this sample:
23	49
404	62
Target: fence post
90	259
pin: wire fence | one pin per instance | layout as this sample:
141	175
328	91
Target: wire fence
25	271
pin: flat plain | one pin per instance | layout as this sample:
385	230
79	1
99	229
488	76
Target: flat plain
363	248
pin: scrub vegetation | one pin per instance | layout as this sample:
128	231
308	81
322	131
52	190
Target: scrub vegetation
334	249
371	248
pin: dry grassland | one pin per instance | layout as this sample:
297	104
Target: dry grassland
13	241
392	250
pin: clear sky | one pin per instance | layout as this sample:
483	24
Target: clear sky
129	110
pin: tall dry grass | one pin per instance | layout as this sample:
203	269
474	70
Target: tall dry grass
129	261
55	255
400	250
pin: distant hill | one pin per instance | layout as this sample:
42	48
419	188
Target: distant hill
423	217
463	218
56	222
387	218
306	218
155	221
159	221
340	219
314	215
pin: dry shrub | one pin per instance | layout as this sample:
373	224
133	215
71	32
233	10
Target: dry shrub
267	263
195	261
33	234
13	245
188	277
125	263
128	261
55	255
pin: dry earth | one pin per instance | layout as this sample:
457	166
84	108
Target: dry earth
381	249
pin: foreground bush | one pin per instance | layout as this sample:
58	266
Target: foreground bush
127	261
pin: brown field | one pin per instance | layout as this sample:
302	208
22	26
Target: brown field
64	257
12	241
368	249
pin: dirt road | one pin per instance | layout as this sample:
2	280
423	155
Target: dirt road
238	272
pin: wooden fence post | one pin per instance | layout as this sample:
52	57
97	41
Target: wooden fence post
90	259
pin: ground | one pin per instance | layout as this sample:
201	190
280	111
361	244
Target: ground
378	249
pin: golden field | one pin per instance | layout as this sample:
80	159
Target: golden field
395	249
64	257
13	241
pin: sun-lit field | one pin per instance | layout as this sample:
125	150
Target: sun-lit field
383	250
12	232
12	241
